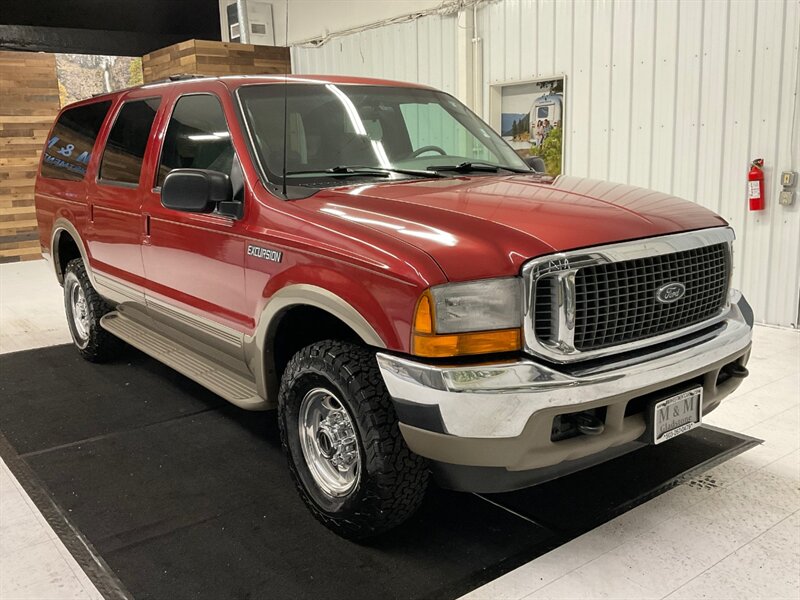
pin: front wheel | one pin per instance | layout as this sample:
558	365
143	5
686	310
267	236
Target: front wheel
85	308
346	454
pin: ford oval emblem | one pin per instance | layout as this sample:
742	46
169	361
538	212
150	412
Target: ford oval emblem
671	292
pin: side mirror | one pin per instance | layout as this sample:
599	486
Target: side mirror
536	163
195	190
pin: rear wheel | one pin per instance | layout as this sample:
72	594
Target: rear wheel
85	308
346	454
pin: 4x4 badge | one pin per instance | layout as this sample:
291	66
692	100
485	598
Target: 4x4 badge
265	253
671	292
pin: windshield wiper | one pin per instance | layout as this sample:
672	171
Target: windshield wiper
469	167
351	171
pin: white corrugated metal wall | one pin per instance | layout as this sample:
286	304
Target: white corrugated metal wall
675	95
423	51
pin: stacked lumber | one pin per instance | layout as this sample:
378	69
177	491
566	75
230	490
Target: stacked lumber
215	58
28	105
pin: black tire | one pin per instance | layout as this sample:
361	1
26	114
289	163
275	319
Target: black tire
392	480
94	343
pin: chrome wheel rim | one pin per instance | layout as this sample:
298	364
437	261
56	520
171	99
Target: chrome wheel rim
329	442
79	312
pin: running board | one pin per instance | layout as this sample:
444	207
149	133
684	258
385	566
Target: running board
223	382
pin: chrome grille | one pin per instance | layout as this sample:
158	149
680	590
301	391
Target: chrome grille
616	302
543	310
600	301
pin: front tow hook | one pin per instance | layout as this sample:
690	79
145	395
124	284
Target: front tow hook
737	370
588	424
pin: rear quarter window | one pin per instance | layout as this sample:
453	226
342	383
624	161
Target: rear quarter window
69	148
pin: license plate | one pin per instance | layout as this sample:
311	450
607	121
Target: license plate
677	414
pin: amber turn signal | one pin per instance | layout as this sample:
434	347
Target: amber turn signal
458	344
423	316
424	342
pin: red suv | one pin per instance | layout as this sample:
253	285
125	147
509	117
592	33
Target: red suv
375	262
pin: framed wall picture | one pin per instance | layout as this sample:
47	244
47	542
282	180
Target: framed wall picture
81	76
530	116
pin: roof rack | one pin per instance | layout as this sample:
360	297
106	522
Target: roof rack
177	77
182	76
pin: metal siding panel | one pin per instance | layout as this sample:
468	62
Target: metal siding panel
687	99
737	129
449	79
423	67
564	49
601	74
492	49
512	33
545	38
435	54
643	84
667	31
783	303
563	42
581	91
621	90
761	276
530	29
409	49
494	41
712	106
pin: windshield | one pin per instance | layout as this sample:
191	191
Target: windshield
368	131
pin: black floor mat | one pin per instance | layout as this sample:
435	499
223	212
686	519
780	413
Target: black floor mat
185	496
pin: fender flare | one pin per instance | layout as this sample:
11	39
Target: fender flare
257	347
60	225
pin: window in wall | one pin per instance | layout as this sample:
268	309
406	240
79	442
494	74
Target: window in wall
197	137
70	145
127	141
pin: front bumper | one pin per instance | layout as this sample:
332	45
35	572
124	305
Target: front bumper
499	416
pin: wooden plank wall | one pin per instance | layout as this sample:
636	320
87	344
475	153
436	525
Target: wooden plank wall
28	105
216	59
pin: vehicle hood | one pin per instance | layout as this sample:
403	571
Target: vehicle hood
476	227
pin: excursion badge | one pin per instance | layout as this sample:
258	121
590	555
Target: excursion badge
264	253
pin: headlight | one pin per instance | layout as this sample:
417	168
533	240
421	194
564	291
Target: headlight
475	317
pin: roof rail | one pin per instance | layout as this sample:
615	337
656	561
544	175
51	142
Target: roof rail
182	76
177	77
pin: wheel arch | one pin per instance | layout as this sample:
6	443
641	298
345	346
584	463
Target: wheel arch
62	250
267	352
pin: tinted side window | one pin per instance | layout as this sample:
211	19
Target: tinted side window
127	141
70	145
197	137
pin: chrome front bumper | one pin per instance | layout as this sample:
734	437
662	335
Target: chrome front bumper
498	400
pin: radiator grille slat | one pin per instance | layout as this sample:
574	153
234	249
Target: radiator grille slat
616	302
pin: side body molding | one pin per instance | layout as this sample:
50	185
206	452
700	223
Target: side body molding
258	356
257	348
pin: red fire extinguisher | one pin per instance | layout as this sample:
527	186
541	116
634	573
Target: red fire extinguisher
755	185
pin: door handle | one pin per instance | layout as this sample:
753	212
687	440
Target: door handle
146	224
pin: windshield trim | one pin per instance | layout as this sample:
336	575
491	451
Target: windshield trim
297	190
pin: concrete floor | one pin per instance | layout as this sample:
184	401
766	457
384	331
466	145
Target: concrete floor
733	532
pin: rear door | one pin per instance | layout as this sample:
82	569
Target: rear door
116	227
194	263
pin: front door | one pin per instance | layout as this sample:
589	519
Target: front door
194	262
